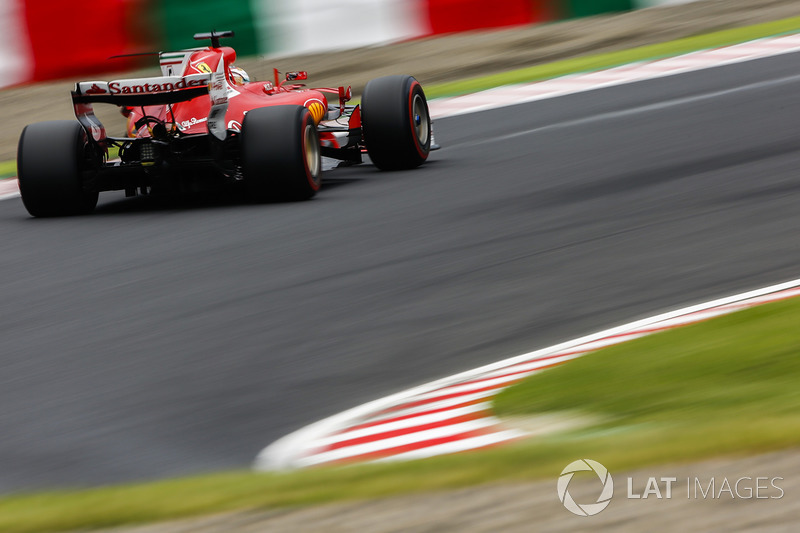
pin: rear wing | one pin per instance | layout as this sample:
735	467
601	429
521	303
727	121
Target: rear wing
164	90
142	91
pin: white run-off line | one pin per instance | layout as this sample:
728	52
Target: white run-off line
453	414
529	92
9	189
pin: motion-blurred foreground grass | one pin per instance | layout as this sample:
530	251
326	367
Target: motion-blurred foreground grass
722	387
727	385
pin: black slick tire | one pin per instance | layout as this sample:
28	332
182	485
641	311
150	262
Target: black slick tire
51	159
280	154
396	122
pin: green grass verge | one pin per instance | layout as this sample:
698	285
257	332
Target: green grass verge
741	367
8	169
726	386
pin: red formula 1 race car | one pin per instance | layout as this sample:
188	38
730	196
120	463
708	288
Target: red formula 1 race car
204	123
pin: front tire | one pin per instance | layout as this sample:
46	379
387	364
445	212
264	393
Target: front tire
396	122
281	156
51	158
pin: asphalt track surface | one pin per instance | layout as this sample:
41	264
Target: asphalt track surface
160	338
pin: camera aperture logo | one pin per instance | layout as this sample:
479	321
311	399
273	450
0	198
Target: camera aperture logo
585	509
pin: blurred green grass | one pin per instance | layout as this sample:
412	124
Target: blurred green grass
8	169
722	387
739	367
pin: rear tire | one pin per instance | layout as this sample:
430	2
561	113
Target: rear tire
51	158
280	154
396	122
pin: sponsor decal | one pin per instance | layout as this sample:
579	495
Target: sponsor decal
121	87
186	124
95	89
203	67
316	108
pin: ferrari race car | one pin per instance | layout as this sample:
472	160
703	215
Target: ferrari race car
204	123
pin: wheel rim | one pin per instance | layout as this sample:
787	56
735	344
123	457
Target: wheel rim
420	118
312	152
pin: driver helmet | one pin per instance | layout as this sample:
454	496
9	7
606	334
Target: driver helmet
239	75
